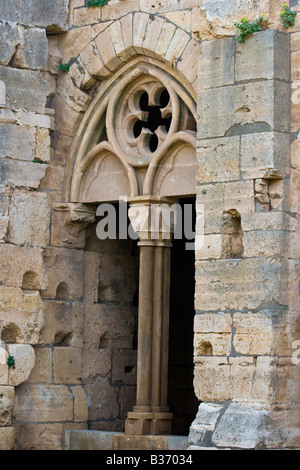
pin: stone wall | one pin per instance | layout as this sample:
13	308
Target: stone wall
75	355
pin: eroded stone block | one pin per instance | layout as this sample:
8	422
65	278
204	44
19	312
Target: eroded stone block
24	361
67	363
7	394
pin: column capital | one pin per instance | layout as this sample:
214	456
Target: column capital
153	219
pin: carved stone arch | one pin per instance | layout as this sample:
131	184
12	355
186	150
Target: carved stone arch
108	146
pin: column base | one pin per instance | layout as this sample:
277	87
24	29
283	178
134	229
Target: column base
145	423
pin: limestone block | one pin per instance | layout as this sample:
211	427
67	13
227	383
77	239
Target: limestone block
4	202
117	278
96	363
216	63
212	334
3	373
124	366
116	10
43	437
7	438
76	339
16	262
220	197
28	118
58	322
188	63
176	46
267	243
205	421
103	401
293	281
107	52
67	364
73	96
126	27
7	394
91	277
25	89
22	174
212	378
256	280
183	19
82	78
29	223
64	234
3	228
164	40
209	246
268	221
237	110
252	379
140	21
263	152
295	59
32	52
295	154
288	387
42	150
42	370
9	37
86	16
159	7
218	159
267	52
65	273
241	426
80	404
43	403
17	142
67	119
21	315
73	42
93	62
61	144
152	33
51	14
24	361
109	327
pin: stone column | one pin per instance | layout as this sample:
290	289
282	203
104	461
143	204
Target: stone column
150	218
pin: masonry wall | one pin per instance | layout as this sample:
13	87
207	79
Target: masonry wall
247	273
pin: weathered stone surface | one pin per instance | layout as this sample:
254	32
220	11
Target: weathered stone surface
9	39
256	279
269	56
97	363
239	108
80	404
17	142
42	370
52	14
30	219
21	315
7	438
32	51
42	150
16	262
18	173
263	152
6	403
103	402
213	334
67	365
45	436
65	273
124	366
241	426
58	322
25	89
43	403
205	421
24	361
216	63
219	159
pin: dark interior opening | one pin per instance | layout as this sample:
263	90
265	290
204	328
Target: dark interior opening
181	398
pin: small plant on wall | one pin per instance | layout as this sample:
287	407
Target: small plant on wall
11	362
64	68
97	3
245	28
287	16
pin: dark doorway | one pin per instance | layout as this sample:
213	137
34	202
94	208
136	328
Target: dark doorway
181	398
